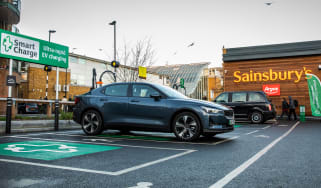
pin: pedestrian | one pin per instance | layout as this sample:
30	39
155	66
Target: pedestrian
292	108
285	108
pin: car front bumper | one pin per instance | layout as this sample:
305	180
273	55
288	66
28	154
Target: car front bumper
219	124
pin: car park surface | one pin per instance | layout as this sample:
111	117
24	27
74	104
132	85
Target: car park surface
160	160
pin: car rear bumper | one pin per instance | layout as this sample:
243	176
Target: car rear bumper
76	115
269	115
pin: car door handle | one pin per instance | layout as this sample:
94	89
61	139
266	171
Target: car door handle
134	100
103	99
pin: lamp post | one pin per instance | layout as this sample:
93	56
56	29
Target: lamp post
114	24
57	83
46	97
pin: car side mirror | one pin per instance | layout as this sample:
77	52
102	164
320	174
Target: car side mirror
156	96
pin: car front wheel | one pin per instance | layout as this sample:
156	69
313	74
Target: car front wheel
186	126
256	117
92	123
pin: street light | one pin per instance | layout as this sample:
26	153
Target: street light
57	101
46	97
114	24
51	31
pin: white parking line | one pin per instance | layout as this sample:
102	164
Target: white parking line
123	145
229	177
252	132
159	141
266	127
120	172
225	140
117	173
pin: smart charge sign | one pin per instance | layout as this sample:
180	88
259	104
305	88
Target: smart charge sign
24	48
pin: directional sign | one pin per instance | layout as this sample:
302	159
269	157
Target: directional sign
24	48
50	150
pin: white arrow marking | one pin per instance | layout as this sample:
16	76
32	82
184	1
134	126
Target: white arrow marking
95	140
142	185
262	136
61	149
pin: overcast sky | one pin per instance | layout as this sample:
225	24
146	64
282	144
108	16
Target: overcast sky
172	25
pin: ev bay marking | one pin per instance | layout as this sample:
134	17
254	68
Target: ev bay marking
51	148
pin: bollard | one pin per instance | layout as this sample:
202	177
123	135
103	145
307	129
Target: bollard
302	113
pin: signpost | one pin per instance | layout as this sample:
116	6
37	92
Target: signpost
29	49
24	48
142	72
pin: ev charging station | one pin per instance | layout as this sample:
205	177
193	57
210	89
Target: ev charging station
29	49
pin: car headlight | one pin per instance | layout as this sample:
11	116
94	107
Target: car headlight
211	110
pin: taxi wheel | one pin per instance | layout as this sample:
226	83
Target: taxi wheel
186	126
256	117
91	123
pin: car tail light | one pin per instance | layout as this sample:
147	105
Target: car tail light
77	100
270	107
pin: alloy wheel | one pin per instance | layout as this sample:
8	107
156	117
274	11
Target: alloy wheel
186	127
91	123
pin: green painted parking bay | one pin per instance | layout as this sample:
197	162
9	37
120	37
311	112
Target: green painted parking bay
155	138
45	150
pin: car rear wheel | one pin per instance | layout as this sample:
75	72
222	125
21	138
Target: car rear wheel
92	123
256	117
186	126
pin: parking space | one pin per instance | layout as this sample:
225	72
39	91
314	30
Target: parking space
117	156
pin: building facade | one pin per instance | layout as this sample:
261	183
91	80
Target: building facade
76	80
9	16
279	70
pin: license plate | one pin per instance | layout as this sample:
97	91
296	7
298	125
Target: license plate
232	122
217	126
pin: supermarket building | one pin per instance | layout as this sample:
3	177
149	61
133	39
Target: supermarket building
279	70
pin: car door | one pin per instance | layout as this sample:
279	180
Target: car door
115	105
239	104
144	110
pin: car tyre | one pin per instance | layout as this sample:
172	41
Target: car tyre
91	123
186	126
256	117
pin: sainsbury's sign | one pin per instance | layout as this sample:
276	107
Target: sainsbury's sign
272	89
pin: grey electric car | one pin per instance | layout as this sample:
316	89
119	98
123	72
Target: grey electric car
150	107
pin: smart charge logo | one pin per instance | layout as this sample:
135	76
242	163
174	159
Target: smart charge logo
20	47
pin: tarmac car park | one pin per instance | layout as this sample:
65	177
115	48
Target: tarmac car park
253	155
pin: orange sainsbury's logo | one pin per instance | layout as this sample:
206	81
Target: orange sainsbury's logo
271	75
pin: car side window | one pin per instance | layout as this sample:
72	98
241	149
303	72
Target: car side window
256	97
238	97
117	90
143	91
222	98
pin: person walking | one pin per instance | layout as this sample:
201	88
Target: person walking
285	108
292	108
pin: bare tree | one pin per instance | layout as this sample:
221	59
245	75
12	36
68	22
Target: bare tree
130	58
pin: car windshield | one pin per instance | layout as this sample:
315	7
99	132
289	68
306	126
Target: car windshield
170	92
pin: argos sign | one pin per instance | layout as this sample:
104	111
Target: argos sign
272	89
